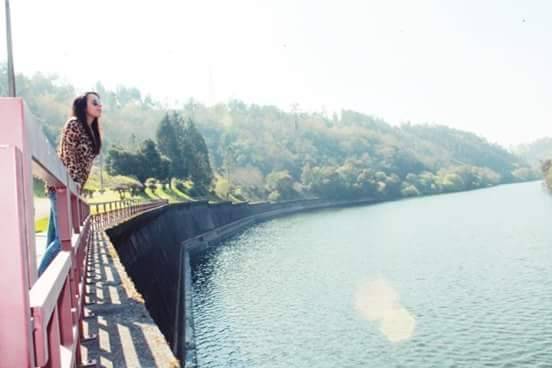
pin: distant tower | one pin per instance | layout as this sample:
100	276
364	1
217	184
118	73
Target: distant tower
211	97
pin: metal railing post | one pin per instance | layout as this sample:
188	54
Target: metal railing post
16	347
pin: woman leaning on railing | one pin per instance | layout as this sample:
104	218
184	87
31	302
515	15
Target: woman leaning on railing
80	143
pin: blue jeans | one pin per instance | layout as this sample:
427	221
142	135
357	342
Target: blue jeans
52	239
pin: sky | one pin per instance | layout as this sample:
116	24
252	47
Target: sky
481	66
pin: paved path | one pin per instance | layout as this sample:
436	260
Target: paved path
127	336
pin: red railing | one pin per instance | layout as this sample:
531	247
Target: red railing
109	213
41	317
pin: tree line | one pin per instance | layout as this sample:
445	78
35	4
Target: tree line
263	152
546	168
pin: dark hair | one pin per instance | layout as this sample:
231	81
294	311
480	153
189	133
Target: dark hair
80	105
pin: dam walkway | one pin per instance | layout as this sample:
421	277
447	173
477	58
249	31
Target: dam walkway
83	310
126	334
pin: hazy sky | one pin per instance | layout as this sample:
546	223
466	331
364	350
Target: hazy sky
483	66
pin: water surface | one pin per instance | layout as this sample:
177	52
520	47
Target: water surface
458	280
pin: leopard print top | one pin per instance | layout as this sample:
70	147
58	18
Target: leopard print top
76	151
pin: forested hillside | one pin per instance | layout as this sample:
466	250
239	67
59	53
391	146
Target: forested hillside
536	152
259	152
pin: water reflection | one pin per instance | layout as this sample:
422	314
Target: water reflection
376	300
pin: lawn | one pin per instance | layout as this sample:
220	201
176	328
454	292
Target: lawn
41	225
172	194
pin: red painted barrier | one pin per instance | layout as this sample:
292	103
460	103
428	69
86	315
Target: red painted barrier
41	317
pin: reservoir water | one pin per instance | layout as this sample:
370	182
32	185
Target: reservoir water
456	280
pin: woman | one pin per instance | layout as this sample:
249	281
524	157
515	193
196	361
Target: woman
80	143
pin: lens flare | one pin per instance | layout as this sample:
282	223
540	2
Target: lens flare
377	301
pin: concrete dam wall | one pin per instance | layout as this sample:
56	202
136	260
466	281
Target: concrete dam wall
155	248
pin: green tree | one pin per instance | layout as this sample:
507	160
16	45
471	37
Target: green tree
280	182
122	162
200	166
147	162
152	163
170	140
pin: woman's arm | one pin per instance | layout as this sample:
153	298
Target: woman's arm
69	151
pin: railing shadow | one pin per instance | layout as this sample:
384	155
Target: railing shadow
122	323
